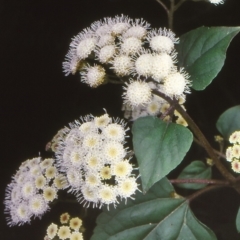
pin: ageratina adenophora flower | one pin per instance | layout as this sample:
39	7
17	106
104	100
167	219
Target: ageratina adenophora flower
122	48
94	159
93	75
71	230
137	93
216	2
176	84
162	40
32	188
233	152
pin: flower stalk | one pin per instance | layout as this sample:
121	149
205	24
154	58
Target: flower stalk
200	136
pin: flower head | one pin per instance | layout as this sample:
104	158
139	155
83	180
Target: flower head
64	232
71	230
162	40
137	93
100	144
75	223
93	75
64	218
236	166
120	24
235	137
138	29
162	65
106	53
31	190
142	63
52	230
121	64
83	44
76	236
233	152
176	84
130	45
216	2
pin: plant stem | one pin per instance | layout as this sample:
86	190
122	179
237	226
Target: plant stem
204	142
179	4
163	5
202	191
170	11
204	181
171	14
220	154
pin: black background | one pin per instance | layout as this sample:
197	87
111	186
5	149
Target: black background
36	99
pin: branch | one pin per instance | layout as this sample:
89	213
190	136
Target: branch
195	129
179	4
220	154
163	5
204	181
202	191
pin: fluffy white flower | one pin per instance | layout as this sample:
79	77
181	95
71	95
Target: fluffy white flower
26	196
101	27
137	93
107	195
89	160
121	64
114	132
162	40
52	230
93	75
122	169
120	24
102	121
72	63
130	45
162	65
127	187
153	108
176	84
138	29
85	47
106	39
142	64
37	205
89	195
113	151
106	53
235	137
216	2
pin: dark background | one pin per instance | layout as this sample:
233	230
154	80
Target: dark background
36	99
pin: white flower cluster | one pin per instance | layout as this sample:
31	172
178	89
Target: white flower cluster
129	49
216	2
32	188
233	152
92	156
70	229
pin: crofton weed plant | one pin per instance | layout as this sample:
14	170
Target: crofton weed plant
94	159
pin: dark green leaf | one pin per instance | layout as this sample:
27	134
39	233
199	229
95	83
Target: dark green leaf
159	147
153	216
238	220
229	121
195	170
202	53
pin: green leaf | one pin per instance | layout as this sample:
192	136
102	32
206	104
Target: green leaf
202	53
229	121
195	170
153	216
238	220
159	147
